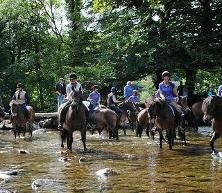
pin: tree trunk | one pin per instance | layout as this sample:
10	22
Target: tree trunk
190	84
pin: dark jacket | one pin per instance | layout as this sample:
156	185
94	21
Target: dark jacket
61	88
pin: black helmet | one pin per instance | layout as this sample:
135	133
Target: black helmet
95	87
113	89
165	73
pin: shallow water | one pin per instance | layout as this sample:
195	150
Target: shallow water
137	164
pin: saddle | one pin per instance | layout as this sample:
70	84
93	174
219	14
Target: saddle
92	115
176	113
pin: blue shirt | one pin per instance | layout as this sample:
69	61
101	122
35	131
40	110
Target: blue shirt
167	91
133	99
128	91
94	97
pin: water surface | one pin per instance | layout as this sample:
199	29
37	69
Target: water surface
138	164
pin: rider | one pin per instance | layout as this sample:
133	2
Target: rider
60	89
128	90
167	89
21	98
180	89
168	92
94	98
112	102
211	91
134	98
70	88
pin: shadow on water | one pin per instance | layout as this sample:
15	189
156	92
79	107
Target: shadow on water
102	155
194	150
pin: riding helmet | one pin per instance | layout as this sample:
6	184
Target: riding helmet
19	85
165	73
135	91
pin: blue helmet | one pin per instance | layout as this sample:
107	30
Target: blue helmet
113	89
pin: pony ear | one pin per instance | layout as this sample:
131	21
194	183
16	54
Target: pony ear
12	102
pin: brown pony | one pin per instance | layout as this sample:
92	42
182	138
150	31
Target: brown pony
75	120
143	119
197	114
105	118
131	110
143	122
212	109
164	117
20	121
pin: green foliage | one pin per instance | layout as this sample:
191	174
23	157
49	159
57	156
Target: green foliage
108	42
101	6
147	86
205	79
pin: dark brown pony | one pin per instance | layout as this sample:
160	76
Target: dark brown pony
20	121
131	110
212	109
188	115
105	118
75	120
164	117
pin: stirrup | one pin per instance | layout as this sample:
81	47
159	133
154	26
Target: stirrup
60	127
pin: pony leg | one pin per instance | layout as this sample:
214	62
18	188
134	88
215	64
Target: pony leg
111	134
63	135
153	131
214	137
161	139
124	129
147	131
170	138
29	128
83	138
15	133
183	135
138	130
69	141
118	125
115	133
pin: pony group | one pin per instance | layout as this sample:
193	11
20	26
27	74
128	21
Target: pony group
153	116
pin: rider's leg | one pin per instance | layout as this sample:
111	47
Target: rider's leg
62	115
25	110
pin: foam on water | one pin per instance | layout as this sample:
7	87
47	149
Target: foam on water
216	155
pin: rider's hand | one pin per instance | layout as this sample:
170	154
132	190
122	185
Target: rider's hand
177	99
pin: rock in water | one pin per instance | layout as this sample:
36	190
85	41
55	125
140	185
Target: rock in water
42	183
105	172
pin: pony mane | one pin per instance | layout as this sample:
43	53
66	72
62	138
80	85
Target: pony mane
206	103
160	101
13	102
102	107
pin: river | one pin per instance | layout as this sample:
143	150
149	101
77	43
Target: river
131	165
